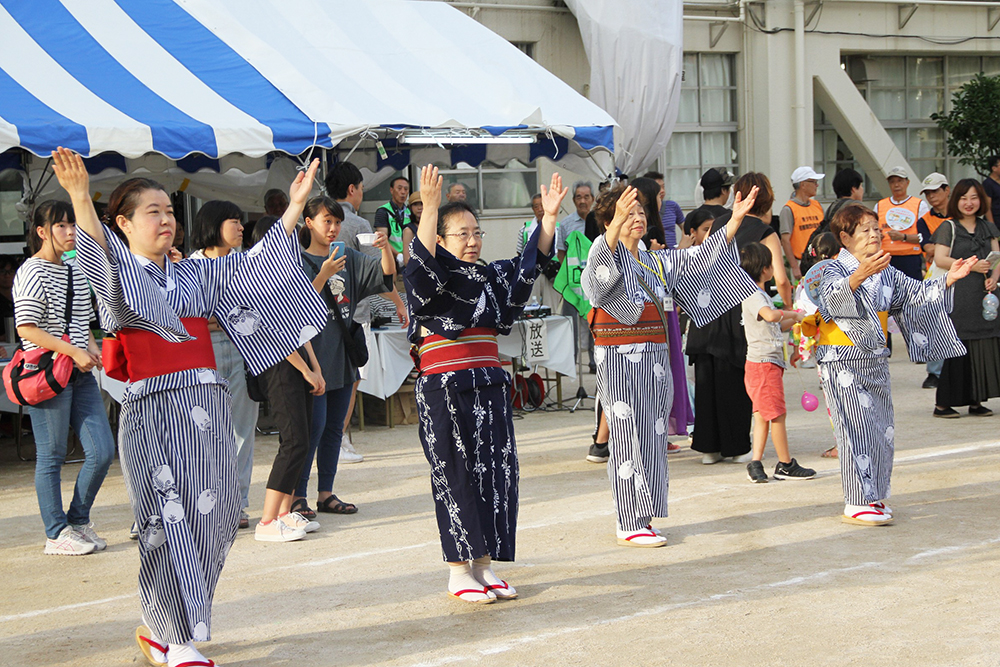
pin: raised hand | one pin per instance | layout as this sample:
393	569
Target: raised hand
869	266
381	240
626	202
960	268
743	206
430	194
298	191
553	195
71	173
430	187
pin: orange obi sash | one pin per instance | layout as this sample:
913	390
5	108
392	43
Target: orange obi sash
609	331
830	334
474	348
134	354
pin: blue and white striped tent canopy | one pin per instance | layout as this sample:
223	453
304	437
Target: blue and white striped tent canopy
221	85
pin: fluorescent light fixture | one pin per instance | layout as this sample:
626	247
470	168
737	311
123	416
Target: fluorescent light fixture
435	137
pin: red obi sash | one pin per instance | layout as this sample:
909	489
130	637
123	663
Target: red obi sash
609	331
136	355
474	348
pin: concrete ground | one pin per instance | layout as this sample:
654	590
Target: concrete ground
753	574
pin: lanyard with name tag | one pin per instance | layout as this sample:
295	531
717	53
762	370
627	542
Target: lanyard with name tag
667	302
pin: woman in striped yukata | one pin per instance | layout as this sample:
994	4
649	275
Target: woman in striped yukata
859	290
176	440
629	289
457	308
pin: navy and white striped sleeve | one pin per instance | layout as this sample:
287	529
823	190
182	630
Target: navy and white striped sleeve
921	309
263	300
126	296
708	282
603	282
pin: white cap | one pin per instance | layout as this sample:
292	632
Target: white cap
804	174
933	182
898	171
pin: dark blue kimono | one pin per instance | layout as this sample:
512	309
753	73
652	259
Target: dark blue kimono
466	426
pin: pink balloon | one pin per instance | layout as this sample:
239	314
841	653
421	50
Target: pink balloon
809	401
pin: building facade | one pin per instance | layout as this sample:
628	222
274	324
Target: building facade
854	86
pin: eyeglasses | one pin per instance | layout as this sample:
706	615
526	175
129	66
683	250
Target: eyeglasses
464	236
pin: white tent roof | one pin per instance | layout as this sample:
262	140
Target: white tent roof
196	81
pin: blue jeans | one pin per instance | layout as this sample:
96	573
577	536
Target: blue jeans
935	367
325	435
79	404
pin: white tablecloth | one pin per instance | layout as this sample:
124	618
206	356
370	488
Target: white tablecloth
389	361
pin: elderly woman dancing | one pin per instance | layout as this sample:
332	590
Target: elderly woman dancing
859	290
457	308
176	438
630	290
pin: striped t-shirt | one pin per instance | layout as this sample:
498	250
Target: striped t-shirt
40	299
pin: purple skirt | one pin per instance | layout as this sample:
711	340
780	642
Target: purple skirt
681	415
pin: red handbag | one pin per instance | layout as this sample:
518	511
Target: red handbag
40	374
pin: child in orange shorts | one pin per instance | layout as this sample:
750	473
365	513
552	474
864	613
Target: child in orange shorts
765	366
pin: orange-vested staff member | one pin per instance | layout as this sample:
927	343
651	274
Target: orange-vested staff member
800	217
904	231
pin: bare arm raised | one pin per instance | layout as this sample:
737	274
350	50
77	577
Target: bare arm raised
74	179
430	194
298	193
551	200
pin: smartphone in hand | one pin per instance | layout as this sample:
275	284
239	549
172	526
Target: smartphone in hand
338	247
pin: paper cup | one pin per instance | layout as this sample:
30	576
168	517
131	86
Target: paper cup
366	239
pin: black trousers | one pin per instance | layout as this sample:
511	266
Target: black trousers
722	410
291	406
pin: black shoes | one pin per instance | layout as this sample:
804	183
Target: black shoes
792	470
755	472
931	382
598	453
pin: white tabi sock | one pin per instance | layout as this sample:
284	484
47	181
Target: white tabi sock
181	653
482	570
157	654
461	579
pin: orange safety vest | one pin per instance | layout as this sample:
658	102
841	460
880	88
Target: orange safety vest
807	219
901	218
934	221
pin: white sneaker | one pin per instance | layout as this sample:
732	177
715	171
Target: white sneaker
296	520
87	530
710	458
743	458
349	457
347	444
69	543
277	531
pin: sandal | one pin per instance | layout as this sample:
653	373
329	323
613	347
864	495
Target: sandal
503	591
302	507
477	595
338	506
147	646
830	453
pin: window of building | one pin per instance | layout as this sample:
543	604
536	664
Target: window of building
528	48
705	134
903	92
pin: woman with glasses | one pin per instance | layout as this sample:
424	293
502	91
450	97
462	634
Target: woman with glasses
457	308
